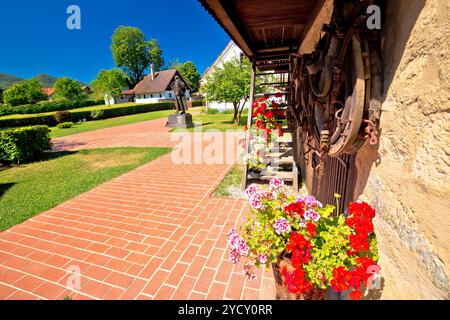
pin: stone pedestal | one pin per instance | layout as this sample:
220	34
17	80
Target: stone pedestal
181	121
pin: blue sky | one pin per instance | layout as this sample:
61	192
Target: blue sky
34	38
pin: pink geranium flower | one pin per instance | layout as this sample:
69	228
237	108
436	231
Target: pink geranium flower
282	226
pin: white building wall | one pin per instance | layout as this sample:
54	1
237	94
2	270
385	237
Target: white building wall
232	51
157	97
118	100
222	106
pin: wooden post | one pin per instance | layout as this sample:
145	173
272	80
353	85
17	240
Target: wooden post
249	122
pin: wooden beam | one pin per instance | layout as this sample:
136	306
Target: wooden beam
322	14
249	122
218	12
242	33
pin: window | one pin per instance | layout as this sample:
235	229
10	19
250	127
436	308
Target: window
170	95
160	95
151	96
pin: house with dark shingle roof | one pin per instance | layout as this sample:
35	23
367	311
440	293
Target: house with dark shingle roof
157	87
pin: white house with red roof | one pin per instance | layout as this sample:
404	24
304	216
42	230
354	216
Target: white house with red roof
156	87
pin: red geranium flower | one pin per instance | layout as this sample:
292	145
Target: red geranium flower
296	208
356	295
300	248
296	281
257	112
269	115
362	209
359	242
311	228
341	277
278	95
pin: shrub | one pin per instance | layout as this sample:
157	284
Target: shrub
69	89
212	111
228	111
198	103
97	114
108	112
32	120
28	91
49	106
24	144
63	116
65	125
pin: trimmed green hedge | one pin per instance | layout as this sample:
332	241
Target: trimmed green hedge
107	112
48	106
198	103
195	103
24	144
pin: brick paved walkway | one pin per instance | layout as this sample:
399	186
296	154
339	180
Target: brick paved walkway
153	233
143	134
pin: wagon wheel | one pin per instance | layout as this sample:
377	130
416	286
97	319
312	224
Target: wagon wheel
347	137
320	72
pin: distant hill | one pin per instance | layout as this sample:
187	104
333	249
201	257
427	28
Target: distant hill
45	80
7	80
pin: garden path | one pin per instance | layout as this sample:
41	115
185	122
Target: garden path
153	233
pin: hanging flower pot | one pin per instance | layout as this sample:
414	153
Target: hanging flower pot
309	248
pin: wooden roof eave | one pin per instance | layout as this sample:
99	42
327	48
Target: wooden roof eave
224	12
227	19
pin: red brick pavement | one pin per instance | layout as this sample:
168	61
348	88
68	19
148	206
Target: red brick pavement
151	133
153	233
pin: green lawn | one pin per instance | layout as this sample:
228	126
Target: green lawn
220	122
107	123
231	185
27	190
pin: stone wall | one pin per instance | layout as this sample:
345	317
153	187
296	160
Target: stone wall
410	186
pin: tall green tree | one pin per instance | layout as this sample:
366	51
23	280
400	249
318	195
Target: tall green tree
231	83
174	64
109	83
133	53
190	73
68	89
24	92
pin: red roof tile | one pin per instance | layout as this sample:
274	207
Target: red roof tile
128	92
